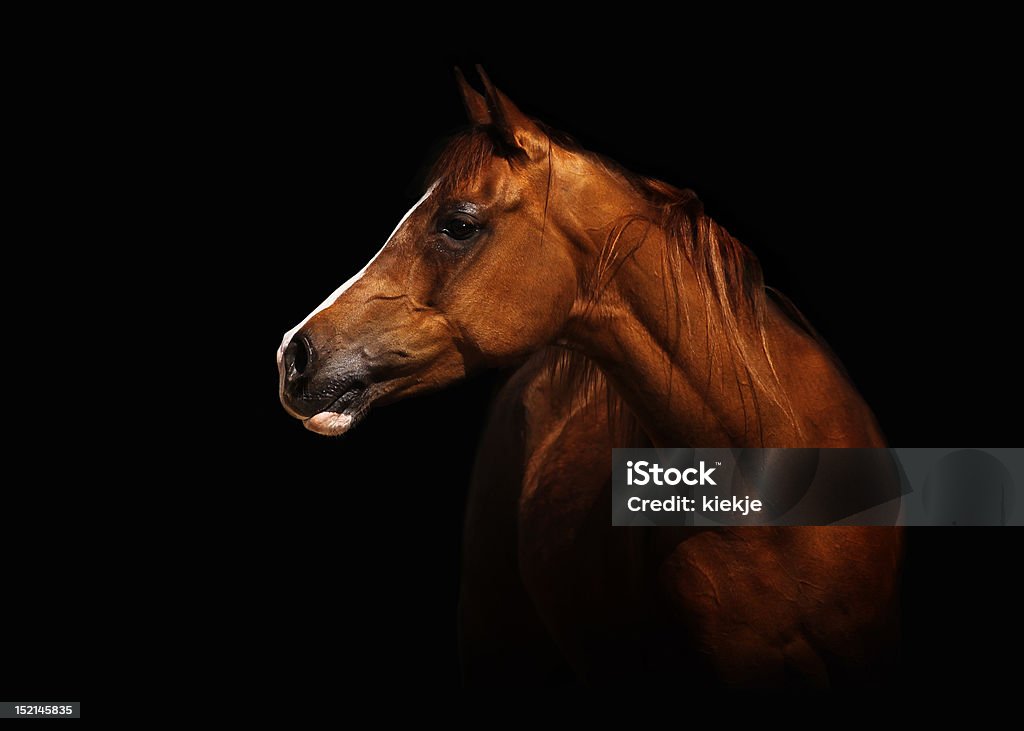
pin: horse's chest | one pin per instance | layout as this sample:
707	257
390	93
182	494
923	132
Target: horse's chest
582	574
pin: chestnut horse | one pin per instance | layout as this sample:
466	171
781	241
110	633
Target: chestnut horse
633	320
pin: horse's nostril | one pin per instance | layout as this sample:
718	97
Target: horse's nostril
297	356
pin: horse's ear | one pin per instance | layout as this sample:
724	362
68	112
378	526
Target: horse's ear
476	105
512	126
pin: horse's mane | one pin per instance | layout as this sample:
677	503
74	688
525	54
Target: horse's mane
727	272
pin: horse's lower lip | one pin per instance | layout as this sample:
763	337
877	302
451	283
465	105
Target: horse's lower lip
335	420
329	423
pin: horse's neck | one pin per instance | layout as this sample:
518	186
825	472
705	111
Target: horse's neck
649	330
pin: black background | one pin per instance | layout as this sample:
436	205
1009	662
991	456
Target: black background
856	188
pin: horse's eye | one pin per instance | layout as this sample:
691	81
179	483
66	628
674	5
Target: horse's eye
459	228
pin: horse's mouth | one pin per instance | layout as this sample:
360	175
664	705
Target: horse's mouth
344	413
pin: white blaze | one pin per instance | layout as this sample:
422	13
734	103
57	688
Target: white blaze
343	288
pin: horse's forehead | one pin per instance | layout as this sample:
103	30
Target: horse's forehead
500	181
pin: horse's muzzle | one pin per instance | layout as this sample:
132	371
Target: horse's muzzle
319	393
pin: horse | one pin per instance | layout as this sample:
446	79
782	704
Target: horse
631	319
